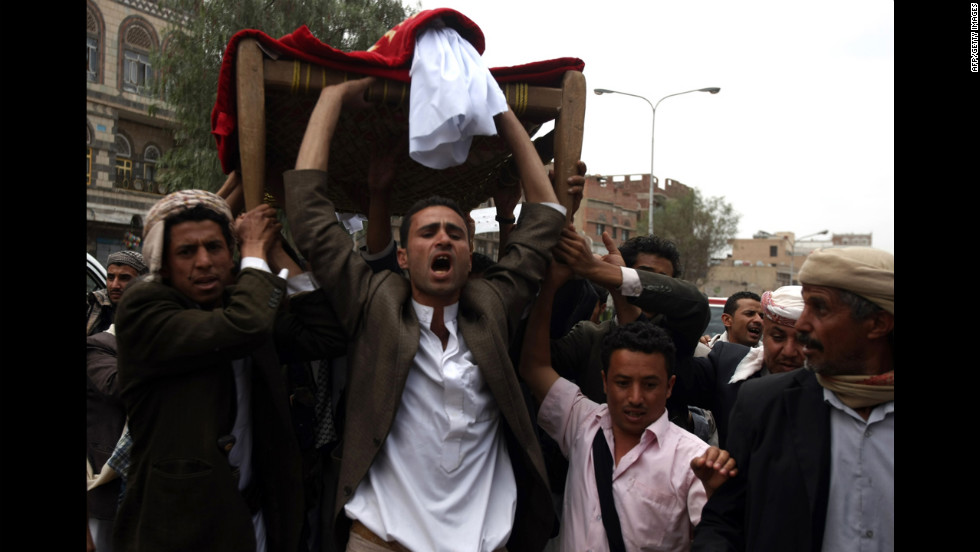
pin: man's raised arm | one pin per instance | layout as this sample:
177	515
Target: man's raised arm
535	366
537	187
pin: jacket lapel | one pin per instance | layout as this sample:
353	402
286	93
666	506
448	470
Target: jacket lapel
810	433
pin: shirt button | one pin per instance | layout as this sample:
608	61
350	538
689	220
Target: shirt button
869	534
867	434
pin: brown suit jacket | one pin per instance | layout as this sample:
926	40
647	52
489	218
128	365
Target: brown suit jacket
377	313
176	380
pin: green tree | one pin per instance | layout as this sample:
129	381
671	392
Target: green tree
194	45
700	227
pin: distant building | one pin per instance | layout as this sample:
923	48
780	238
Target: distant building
852	239
767	261
618	204
123	141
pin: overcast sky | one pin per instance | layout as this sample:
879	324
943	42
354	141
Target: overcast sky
801	136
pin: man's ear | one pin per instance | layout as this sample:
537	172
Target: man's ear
726	319
670	385
402	258
881	324
603	374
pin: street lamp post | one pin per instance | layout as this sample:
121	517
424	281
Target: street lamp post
792	254
653	120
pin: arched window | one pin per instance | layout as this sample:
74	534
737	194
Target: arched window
93	37
124	162
151	155
137	75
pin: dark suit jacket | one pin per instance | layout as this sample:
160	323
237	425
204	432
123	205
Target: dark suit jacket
706	383
176	378
105	418
377	313
780	439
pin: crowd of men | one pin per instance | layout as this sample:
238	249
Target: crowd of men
454	386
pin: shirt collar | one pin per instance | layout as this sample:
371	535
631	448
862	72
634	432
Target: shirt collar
877	413
658	428
655	431
424	313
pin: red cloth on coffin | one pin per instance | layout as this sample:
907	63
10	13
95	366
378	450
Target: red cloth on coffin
389	58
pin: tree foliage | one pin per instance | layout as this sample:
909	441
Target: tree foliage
700	227
189	63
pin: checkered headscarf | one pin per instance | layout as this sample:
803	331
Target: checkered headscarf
783	306
129	258
169	206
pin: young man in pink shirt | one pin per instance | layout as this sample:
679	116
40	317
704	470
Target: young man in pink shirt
661	474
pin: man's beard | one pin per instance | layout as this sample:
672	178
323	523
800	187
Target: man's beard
848	365
811	343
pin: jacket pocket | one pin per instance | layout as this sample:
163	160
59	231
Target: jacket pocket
190	506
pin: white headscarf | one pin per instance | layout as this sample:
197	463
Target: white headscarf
783	307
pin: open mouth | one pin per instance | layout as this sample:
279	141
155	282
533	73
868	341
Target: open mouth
634	415
441	263
206	282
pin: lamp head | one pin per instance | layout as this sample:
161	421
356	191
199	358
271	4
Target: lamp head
713	90
601	91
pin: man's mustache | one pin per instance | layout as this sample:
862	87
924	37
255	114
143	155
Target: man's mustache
807	340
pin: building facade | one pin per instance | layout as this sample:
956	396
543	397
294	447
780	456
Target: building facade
768	261
618	204
124	142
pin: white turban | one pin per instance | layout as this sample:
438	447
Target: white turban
784	305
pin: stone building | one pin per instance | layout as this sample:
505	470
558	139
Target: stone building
124	141
768	261
618	204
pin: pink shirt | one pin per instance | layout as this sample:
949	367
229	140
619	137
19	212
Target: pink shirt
658	497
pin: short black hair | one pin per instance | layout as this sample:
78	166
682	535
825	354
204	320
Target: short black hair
654	245
197	213
732	304
433	201
641	337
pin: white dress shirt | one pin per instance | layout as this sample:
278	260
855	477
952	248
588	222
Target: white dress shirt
443	479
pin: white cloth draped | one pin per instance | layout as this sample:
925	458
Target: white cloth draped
453	98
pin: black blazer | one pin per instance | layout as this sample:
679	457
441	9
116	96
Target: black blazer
779	435
706	383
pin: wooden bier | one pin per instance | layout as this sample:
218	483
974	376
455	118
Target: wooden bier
259	79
